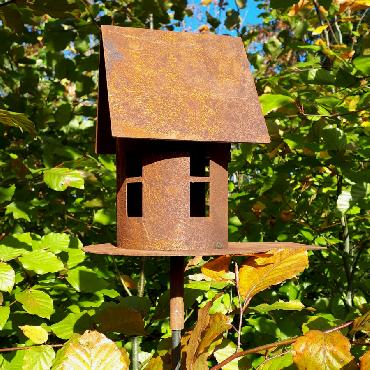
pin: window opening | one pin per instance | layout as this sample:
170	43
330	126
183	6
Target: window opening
134	165
199	165
199	199
134	199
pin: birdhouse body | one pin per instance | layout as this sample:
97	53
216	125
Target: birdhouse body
171	195
169	106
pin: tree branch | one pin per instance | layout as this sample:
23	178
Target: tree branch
272	345
11	349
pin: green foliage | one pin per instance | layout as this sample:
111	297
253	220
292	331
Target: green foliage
310	184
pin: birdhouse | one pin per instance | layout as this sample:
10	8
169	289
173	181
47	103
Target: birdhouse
170	105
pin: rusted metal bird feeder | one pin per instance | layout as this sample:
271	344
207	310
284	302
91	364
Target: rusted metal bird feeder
169	106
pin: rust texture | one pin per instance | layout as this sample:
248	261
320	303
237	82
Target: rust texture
166	222
177	86
177	266
235	248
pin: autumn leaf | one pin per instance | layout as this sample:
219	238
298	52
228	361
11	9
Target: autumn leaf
92	350
362	323
260	272
353	5
365	361
296	8
217	268
202	340
319	350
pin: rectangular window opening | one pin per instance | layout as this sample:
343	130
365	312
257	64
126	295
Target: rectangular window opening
199	199
199	165
134	165
135	199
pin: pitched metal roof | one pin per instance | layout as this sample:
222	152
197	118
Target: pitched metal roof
176	86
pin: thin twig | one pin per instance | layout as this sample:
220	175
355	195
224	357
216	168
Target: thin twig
240	305
121	278
328	115
272	345
11	349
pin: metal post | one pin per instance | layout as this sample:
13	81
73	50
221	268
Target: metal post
176	308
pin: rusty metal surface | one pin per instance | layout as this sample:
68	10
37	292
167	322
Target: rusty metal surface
177	86
233	248
166	223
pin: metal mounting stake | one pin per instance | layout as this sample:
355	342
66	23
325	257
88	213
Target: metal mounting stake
176	308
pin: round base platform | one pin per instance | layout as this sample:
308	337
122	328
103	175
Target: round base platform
234	248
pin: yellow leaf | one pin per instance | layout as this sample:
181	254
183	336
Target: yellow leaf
206	2
200	343
353	5
130	283
37	334
365	361
217	268
362	323
92	350
318	350
260	272
319	30
298	7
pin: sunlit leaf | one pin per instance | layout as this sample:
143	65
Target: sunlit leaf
41	262
217	268
7	277
4	315
362	323
36	302
60	178
92	350
259	273
320	29
271	102
18	120
19	210
277	362
37	334
279	305
317	350
38	358
365	361
6	194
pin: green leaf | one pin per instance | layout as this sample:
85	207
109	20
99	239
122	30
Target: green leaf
225	350
6	194
4	315
38	358
277	363
41	262
86	280
19	210
60	178
65	328
55	242
11	247
7	277
279	305
37	334
271	102
105	216
75	257
36	302
14	119
363	64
